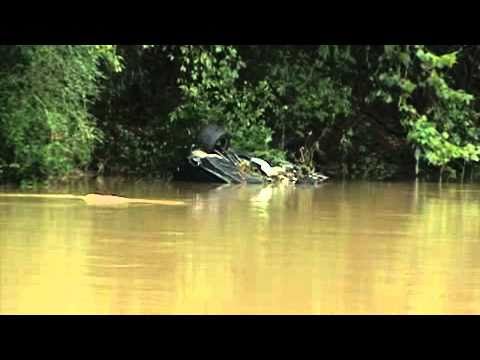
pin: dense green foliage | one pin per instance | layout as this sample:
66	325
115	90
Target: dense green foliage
374	112
440	121
45	97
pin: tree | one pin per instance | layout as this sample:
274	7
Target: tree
45	99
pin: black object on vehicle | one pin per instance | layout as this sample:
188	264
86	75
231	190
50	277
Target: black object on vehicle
213	161
213	137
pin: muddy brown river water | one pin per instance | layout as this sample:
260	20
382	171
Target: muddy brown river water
339	248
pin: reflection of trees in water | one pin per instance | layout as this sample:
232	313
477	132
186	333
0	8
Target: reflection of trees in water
282	238
413	246
407	247
445	276
346	233
369	237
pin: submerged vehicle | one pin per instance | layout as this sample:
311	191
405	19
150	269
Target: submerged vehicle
212	160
